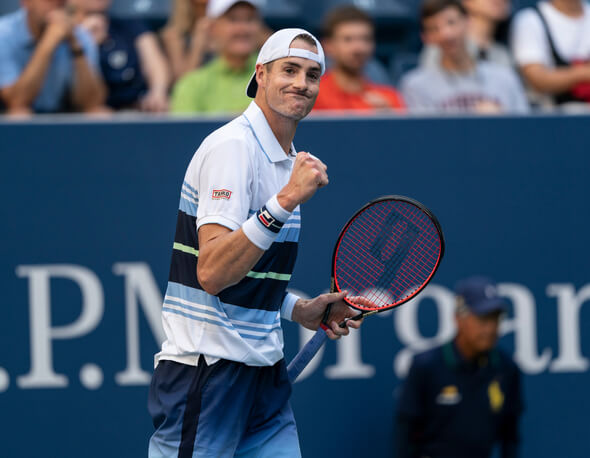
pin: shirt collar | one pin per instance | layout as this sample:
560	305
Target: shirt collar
265	136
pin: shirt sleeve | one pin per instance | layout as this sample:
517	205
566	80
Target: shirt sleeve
90	48
9	68
224	178
528	40
519	102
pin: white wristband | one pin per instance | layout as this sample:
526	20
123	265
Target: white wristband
263	227
288	305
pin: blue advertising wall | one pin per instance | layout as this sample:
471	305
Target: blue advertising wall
88	216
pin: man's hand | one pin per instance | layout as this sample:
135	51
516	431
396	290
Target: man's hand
60	26
97	26
309	314
155	101
308	175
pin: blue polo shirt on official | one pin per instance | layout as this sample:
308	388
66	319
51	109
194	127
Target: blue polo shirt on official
120	63
235	171
16	49
453	408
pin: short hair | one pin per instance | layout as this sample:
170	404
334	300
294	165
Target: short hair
342	15
307	38
431	7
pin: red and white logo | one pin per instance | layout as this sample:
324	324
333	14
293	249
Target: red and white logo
221	194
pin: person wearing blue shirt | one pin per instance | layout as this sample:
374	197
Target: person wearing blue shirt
133	66
463	398
47	64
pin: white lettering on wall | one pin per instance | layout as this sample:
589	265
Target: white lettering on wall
524	326
142	291
569	303
42	333
406	326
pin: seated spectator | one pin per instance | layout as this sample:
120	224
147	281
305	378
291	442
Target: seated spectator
47	65
132	64
484	17
218	86
186	36
459	83
349	43
551	46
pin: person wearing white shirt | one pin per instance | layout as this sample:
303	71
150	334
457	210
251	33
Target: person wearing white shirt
220	386
551	46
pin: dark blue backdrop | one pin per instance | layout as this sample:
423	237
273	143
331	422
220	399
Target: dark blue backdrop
88	216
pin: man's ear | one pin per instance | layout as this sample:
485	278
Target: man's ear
261	71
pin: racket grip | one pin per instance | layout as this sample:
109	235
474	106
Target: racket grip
306	354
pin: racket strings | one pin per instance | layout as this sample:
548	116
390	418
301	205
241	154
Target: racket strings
387	253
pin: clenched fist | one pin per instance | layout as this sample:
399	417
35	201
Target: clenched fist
308	175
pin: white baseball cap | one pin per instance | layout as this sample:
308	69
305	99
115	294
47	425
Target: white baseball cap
216	8
277	47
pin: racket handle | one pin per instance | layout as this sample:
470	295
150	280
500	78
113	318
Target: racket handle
306	354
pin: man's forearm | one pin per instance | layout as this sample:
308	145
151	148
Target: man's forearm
88	91
556	80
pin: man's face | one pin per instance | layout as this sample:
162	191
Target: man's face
291	85
493	10
351	46
479	332
38	10
446	30
237	30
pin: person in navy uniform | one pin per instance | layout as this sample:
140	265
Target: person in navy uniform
463	398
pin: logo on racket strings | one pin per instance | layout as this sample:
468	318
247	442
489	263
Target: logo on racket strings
406	242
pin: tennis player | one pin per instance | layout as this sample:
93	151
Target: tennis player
220	386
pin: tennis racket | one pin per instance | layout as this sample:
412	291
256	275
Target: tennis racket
384	256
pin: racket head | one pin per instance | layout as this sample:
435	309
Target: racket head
387	253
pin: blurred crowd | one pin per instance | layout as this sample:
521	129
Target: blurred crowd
475	56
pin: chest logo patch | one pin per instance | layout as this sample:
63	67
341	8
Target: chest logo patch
448	396
221	194
496	396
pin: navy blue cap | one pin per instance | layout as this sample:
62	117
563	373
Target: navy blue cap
480	295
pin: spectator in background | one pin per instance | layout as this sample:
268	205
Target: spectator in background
217	87
47	64
133	66
459	83
551	46
462	398
186	36
349	41
483	19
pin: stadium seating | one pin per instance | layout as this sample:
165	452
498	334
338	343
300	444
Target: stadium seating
145	9
283	13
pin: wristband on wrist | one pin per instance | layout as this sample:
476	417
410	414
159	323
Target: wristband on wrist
77	52
287	306
263	227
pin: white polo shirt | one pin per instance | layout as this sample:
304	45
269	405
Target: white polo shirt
235	171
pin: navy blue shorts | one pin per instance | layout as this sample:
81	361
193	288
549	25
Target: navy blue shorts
223	410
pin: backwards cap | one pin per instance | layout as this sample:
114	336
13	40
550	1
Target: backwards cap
277	47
